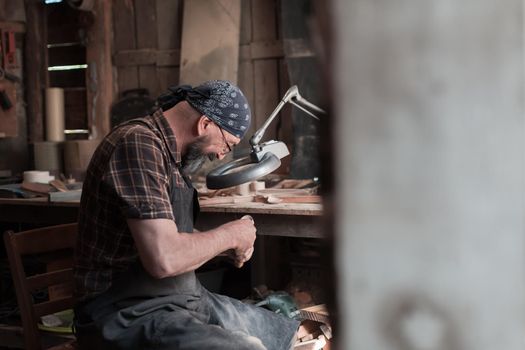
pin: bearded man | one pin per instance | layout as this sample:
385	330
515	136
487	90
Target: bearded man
136	251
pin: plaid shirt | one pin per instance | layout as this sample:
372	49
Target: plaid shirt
128	177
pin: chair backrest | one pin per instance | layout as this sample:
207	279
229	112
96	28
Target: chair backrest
34	242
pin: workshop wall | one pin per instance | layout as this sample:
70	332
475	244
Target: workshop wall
146	44
146	54
145	50
13	146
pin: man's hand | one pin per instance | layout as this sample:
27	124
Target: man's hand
243	231
240	259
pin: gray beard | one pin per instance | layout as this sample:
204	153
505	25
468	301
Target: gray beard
194	158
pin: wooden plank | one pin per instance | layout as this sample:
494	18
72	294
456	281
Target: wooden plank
263	49
16	27
266	94
246	22
169	27
167	58
218	21
146	23
147	37
49	278
203	202
266	82
12	11
124	39
50	307
161	58
266	49
128	58
127	78
100	70
124	25
306	226
276	199
245	73
35	64
308	209
246	84
148	79
169	24
167	77
264	18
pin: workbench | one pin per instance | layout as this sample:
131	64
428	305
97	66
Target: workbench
282	219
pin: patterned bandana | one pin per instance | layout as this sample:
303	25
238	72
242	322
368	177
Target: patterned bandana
219	100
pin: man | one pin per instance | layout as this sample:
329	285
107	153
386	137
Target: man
136	250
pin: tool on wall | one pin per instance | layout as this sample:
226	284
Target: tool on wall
264	157
5	101
8	60
8	81
8	49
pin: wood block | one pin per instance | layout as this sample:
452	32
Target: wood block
243	189
285	191
257	186
36	187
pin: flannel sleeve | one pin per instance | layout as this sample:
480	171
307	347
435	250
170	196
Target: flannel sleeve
139	173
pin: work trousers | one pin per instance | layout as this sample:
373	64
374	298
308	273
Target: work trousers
197	320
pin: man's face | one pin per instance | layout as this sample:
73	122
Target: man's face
195	156
213	144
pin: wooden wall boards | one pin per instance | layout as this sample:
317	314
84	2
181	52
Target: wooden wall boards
210	41
304	72
146	44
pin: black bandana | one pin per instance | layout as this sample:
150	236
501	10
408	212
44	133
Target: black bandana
219	100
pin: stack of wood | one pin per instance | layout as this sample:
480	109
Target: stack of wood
285	191
55	190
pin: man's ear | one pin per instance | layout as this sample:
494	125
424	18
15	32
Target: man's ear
203	125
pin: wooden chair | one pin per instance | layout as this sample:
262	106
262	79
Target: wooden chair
47	242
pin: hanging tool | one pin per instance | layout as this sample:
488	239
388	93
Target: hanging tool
4	74
5	101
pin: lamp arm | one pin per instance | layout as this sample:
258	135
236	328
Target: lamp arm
257	136
292	96
300	101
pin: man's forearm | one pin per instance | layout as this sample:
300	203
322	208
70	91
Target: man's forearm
166	252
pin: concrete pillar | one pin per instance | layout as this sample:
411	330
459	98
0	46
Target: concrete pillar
430	174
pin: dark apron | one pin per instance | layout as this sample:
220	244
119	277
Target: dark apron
141	312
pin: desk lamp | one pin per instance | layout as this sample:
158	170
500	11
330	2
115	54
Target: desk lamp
264	157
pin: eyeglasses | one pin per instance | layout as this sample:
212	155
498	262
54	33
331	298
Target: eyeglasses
224	138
